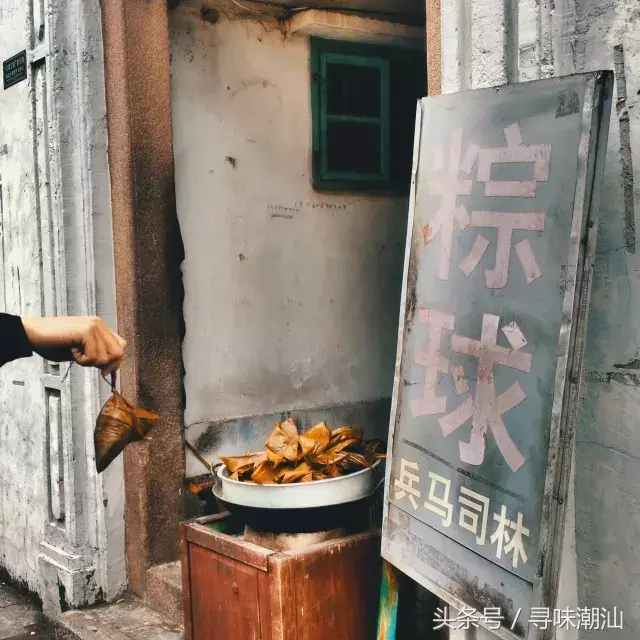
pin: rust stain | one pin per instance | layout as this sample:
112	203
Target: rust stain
412	277
484	375
426	234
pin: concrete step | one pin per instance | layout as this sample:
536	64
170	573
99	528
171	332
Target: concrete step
164	591
127	619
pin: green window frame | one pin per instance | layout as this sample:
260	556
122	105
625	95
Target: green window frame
324	53
399	82
325	118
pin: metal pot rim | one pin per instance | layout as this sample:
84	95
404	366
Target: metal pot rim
303	495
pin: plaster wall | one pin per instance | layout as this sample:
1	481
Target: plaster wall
22	479
291	296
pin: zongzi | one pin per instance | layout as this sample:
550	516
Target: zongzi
119	423
317	454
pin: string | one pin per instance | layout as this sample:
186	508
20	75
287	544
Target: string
70	365
68	369
112	384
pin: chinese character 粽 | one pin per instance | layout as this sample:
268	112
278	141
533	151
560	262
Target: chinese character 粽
407	483
509	542
486	409
539	156
450	213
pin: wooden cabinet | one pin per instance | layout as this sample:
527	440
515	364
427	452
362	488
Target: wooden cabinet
235	590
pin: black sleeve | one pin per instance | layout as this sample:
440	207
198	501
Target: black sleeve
14	343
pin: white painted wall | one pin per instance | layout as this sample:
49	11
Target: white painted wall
22	485
525	40
291	296
56	258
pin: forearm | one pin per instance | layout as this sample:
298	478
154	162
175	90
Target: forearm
86	340
54	333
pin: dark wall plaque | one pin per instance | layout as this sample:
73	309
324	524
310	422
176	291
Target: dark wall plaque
14	69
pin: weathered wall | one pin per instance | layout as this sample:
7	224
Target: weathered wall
77	121
291	296
608	442
22	479
61	526
491	42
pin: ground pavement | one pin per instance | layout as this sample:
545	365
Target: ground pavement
128	619
20	618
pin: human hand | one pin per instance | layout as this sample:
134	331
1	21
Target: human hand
86	340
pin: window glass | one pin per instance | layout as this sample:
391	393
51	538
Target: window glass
353	90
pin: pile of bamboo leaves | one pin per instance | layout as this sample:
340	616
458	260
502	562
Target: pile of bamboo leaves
317	454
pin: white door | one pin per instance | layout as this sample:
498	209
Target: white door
61	525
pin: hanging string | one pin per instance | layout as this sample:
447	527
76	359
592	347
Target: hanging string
68	369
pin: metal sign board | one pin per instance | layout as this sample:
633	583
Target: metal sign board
497	273
14	69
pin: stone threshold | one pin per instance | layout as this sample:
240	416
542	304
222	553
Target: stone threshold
127	619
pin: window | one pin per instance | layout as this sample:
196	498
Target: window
363	108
